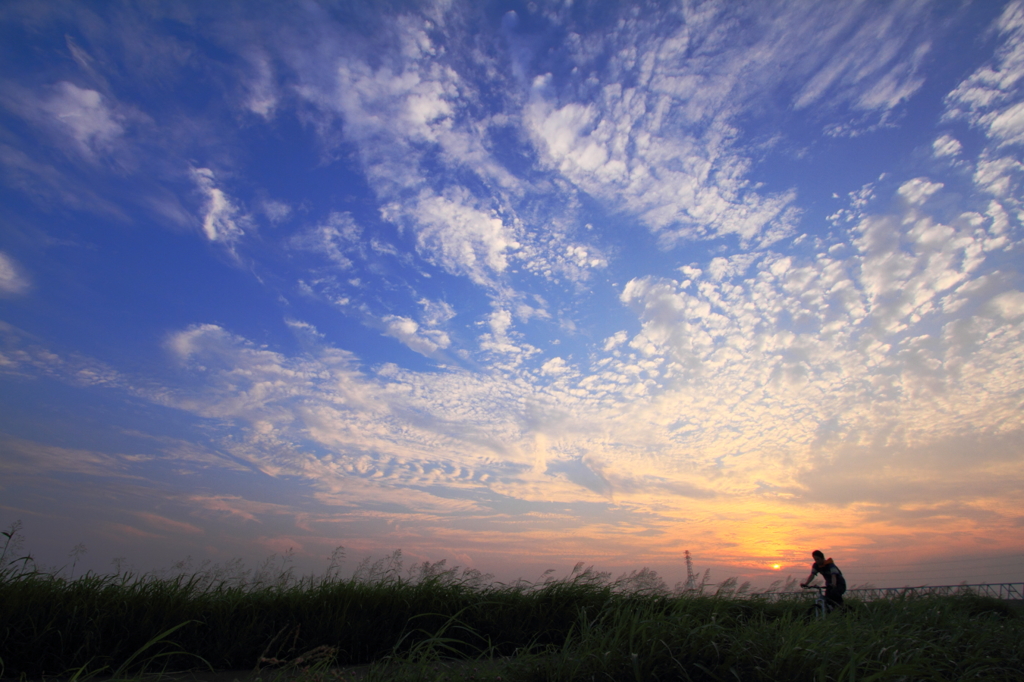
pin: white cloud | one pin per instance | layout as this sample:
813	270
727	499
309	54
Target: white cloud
276	211
990	97
906	269
875	68
80	120
500	322
22	355
999	176
503	342
555	367
304	329
424	341
222	220
680	185
946	146
85	115
13	280
409	113
383	434
865	342
752	371
1008	125
261	91
916	191
615	340
435	312
655	134
338	238
1009	304
457	235
242	380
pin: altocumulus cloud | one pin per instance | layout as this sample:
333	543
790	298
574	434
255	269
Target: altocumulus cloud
566	278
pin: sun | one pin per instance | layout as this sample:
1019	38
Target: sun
776	567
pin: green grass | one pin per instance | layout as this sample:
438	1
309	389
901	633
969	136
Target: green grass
440	623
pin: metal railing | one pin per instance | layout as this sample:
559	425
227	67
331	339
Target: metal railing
996	590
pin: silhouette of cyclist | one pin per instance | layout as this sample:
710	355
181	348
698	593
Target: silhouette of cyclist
835	583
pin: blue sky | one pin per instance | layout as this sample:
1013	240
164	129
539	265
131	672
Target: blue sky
516	285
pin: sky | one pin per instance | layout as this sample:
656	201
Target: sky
516	285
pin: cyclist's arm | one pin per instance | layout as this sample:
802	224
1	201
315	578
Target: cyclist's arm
809	579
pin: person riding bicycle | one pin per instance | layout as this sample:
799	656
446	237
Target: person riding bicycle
835	583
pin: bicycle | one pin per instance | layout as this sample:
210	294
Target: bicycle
822	607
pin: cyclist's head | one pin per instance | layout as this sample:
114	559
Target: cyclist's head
818	555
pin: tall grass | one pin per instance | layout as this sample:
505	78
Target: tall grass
707	638
413	625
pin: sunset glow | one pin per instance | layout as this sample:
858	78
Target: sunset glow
516	285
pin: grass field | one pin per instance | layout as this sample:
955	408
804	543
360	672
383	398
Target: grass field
433	624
